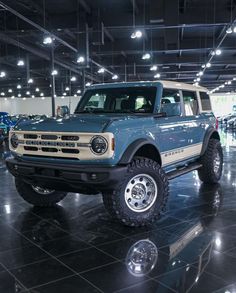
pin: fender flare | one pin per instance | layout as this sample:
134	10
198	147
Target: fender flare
209	133
133	148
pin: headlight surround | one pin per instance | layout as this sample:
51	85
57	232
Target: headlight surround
14	140
99	145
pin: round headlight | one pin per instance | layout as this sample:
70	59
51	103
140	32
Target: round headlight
14	141
99	145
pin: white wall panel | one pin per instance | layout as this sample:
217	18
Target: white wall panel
36	106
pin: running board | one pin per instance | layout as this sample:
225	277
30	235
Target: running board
184	170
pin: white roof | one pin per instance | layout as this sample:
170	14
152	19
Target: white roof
181	85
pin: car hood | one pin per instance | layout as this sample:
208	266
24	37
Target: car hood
73	123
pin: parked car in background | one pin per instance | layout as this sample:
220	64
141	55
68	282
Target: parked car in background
3	133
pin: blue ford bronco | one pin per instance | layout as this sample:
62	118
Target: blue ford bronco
125	140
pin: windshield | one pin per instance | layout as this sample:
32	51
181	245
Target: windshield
118	100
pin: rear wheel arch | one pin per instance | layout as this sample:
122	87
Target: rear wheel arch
211	133
141	148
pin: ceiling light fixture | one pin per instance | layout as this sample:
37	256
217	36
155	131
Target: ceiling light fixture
136	34
28	93
78	91
2	74
2	94
67	89
73	78
20	62
157	75
54	72
101	70
10	91
47	40
30	80
37	89
115	76
146	56
208	65
88	84
229	30
19	95
18	87
154	68
80	59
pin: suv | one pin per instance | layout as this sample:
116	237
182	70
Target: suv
125	140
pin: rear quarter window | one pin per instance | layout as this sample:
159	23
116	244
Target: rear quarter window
205	101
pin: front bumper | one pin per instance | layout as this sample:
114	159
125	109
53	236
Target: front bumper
71	178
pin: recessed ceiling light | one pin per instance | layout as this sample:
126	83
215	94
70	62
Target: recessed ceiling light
47	40
67	89
80	59
78	91
73	78
28	93
9	90
136	35
54	72
30	80
20	62
208	65
18	86
153	68
37	89
88	84
146	56
157	75
229	30
2	74
115	76
101	70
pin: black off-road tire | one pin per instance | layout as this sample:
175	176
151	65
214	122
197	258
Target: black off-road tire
206	173
43	200
115	201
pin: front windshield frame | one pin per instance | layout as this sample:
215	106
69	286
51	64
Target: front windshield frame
132	93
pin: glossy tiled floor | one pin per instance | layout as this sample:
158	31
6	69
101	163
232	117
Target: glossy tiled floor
76	247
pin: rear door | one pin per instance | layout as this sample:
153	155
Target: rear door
170	129
193	123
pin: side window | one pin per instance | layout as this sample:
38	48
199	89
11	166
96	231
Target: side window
190	103
205	100
96	101
170	102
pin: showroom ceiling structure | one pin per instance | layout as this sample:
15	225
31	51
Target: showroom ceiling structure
191	41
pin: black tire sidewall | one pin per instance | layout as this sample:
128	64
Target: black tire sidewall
26	191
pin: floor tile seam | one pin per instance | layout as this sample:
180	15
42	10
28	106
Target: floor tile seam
13	276
209	273
61	279
61	262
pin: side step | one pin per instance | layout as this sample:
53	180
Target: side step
184	170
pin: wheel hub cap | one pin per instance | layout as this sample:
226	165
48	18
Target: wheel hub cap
141	193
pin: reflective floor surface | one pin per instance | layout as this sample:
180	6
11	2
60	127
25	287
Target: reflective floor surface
77	247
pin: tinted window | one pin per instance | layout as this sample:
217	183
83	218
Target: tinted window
170	103
205	100
190	103
118	100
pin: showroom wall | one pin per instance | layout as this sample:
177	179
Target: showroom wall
36	106
223	103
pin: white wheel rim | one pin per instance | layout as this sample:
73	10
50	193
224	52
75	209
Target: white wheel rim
42	191
141	193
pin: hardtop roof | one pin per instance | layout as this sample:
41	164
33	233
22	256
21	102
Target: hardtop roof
165	83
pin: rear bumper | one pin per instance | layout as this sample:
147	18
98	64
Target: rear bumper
73	178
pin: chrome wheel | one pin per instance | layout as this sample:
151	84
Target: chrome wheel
217	163
141	258
42	191
141	193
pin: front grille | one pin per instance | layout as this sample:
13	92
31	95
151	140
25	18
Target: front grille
51	145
